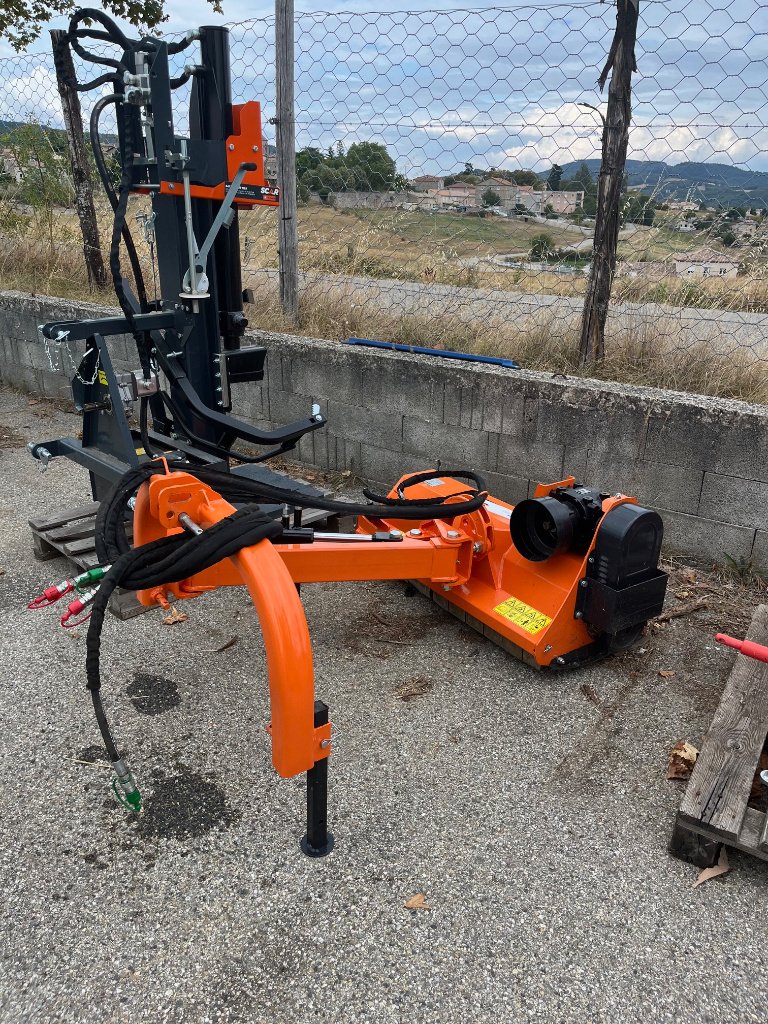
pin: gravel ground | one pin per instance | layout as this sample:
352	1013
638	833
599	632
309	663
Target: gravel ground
532	811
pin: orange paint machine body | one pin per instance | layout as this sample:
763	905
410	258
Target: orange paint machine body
564	578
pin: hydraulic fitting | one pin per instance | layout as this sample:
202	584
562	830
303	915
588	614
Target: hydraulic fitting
76	607
124	787
90	576
51	594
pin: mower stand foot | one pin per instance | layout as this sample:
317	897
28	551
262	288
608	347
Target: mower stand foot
318	841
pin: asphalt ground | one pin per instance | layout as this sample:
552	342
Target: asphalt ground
531	810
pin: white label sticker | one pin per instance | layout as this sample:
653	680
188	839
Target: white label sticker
434	482
499	510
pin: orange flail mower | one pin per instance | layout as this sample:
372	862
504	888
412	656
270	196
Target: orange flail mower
560	579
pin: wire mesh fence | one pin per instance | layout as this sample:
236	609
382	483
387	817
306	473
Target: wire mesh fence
447	173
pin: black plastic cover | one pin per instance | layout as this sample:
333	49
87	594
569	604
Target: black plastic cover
624	586
245	364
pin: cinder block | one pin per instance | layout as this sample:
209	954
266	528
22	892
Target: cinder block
735	500
721	440
439	442
760	552
314	373
385	467
507	488
533	460
705	539
654	484
605	427
375	426
390	385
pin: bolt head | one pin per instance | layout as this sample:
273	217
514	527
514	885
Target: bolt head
446	586
559	661
453	534
582	583
578	615
477	547
171	186
231	145
414	533
324	744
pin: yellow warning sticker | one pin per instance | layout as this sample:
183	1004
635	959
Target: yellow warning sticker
103	379
523	615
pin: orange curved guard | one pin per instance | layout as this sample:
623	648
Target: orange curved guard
296	743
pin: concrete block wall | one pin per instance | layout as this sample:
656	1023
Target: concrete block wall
702	462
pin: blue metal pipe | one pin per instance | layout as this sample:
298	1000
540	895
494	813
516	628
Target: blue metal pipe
442	353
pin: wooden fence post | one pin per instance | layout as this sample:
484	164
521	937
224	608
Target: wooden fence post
621	61
81	176
288	240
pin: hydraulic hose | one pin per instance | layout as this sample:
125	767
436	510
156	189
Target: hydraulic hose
179	556
112	541
101	167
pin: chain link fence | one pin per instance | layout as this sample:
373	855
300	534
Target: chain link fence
447	168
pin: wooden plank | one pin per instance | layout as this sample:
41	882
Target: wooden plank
76	548
67	515
721	780
71	531
42	550
748	839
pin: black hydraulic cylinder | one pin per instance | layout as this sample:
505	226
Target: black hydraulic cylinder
318	841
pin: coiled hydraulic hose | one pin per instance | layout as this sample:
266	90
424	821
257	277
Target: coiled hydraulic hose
179	556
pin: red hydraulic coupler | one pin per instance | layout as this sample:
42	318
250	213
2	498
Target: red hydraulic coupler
51	595
747	647
78	606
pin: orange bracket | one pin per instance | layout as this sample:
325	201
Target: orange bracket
296	743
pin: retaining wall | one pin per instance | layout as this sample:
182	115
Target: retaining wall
702	462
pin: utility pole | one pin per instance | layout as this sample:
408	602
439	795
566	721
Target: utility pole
288	235
81	176
621	62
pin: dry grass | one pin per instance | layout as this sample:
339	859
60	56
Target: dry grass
647	353
440	249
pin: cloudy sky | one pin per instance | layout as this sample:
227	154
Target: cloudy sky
496	87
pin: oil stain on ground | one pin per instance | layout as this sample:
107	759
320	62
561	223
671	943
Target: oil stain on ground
184	806
153	695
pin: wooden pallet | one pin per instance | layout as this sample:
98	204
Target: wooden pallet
714	810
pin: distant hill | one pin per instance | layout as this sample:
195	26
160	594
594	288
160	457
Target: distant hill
717	184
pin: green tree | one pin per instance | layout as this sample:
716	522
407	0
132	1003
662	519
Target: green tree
555	177
584	176
490	198
22	21
638	209
525	178
308	160
542	246
374	168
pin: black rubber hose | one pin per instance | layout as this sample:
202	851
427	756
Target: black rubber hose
112	541
144	427
168	560
141	338
101	167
